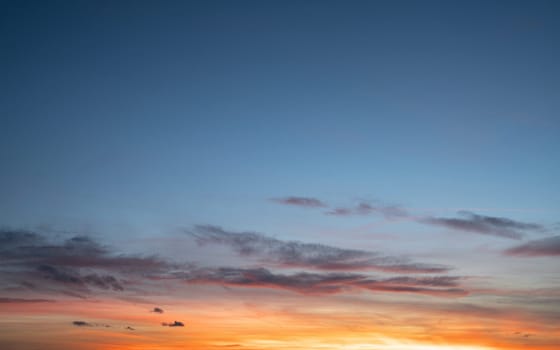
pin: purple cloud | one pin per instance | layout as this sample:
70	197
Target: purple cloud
549	246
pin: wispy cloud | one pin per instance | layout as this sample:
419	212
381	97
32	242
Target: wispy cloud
466	222
549	246
486	225
173	324
301	202
157	310
308	255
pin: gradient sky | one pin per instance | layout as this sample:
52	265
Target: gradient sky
377	175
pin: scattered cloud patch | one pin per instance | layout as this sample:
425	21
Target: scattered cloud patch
174	324
157	310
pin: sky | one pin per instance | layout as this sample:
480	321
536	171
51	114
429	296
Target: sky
270	175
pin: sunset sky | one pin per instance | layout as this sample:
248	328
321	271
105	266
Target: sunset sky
280	175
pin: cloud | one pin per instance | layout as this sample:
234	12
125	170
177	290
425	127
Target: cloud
174	324
79	251
130	328
157	310
300	202
82	324
308	255
322	283
363	208
549	246
487	225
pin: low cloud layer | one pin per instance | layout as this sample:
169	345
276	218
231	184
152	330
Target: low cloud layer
549	246
308	255
80	266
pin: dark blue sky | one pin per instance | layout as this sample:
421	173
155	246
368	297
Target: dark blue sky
149	113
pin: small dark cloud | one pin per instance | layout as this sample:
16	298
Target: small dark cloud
486	225
82	324
157	310
130	328
174	324
301	202
19	300
308	255
549	246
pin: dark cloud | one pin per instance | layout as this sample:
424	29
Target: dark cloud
72	266
308	255
301	202
322	283
174	324
487	225
157	310
82	324
20	300
363	208
549	246
130	328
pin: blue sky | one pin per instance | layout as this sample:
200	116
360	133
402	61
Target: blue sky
252	166
144	114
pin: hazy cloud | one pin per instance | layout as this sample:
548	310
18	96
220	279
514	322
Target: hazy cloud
549	246
157	310
308	255
82	324
364	208
301	202
174	324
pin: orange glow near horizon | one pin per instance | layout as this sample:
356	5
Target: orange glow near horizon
259	326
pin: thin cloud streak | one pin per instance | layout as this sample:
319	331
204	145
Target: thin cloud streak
323	283
487	225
